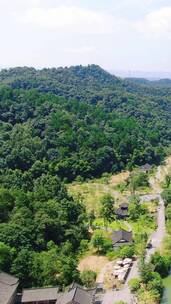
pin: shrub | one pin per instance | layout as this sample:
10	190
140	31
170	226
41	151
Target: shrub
134	284
146	272
156	283
166	195
161	264
126	252
137	180
107	245
168	213
88	278
83	246
112	255
145	296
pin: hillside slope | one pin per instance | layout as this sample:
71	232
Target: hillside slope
95	125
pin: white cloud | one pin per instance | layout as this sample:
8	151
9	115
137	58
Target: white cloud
156	24
72	19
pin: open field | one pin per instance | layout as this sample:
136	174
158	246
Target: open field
115	225
92	191
119	178
93	262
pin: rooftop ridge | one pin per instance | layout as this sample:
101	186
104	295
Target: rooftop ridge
34	288
75	291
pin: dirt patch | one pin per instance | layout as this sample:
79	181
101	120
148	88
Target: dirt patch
119	178
93	262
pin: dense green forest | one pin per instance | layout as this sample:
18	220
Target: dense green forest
58	125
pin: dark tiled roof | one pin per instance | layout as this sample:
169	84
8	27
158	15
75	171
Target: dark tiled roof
74	285
77	295
39	294
8	286
122	210
124	206
121	235
91	291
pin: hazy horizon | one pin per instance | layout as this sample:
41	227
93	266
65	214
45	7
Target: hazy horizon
129	35
149	75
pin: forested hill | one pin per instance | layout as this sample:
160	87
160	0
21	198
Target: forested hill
77	81
57	125
79	121
147	101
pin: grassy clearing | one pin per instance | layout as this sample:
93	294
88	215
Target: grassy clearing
119	178
142	226
91	192
92	262
115	225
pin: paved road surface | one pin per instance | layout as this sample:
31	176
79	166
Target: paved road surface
159	234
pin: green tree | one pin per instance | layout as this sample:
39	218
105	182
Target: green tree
138	180
7	202
101	242
161	264
22	265
107	210
91	217
5	257
97	240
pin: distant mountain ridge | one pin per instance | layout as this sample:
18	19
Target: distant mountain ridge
144	81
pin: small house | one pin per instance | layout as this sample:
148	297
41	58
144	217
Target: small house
8	288
121	237
122	211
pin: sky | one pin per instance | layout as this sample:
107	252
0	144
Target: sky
119	35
